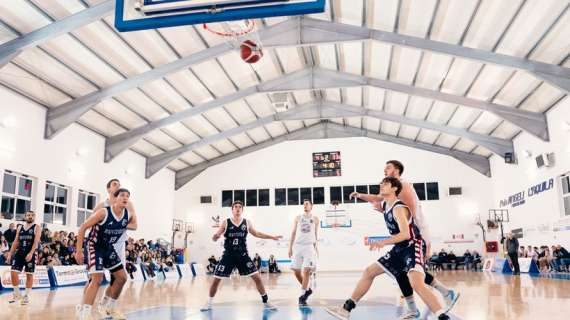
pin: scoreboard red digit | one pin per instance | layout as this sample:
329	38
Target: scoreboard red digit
326	164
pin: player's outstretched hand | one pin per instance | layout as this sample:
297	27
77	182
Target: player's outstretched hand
277	237
216	237
376	245
353	195
290	253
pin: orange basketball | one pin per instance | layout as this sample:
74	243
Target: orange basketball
250	51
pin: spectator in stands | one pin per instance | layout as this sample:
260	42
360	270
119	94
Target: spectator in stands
45	238
521	252
273	267
66	260
512	245
544	259
563	258
452	259
528	252
257	262
10	234
534	254
434	261
476	258
4	244
467	259
442	256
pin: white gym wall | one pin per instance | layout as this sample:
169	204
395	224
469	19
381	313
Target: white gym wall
544	211
74	158
290	165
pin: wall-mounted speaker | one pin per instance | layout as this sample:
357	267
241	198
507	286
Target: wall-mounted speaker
510	157
206	199
455	191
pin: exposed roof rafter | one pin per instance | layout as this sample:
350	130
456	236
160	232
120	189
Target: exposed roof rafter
327	130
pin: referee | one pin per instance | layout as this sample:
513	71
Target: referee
512	250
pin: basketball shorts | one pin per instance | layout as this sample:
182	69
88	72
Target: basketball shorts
304	256
20	264
403	259
232	260
98	258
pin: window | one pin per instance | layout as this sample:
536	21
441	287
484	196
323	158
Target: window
280	197
432	189
239	195
293	196
374	189
566	194
420	190
318	195
306	194
86	202
346	191
361	189
336	194
55	205
263	197
251	198
16	195
227	198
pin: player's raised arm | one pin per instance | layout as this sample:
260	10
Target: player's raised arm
259	234
366	197
220	231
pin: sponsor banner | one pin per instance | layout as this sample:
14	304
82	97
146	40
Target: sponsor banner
184	270
171	273
519	198
70	275
527	265
41	277
488	264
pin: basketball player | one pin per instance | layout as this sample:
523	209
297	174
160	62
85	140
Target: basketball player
395	168
303	249
112	186
235	230
23	251
107	226
407	255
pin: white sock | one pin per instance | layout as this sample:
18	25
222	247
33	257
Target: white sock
86	308
16	291
104	300
112	304
438	312
28	291
210	300
411	303
440	287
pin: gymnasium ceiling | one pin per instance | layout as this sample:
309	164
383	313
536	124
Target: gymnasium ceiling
461	78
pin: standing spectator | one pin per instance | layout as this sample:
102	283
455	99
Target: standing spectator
512	250
522	252
4	244
528	252
10	234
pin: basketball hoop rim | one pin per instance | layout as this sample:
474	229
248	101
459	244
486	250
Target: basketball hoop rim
249	22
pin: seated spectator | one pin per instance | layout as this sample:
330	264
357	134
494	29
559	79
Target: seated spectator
434	261
273	267
10	234
467	259
4	244
452	259
257	262
443	256
544	258
66	260
521	252
476	258
563	258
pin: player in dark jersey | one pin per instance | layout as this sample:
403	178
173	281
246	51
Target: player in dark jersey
23	256
107	226
235	231
395	168
405	257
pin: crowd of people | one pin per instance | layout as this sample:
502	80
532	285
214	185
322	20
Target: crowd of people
57	248
549	259
272	266
470	260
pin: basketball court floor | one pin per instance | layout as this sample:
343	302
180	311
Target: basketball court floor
483	296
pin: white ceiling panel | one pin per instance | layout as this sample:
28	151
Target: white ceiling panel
181	133
261	105
333	95
142	104
214	78
293	125
258	134
446	140
491	80
208	152
353	96
506	130
464	145
276	129
165	95
177	165
404	65
241	140
408	132
192	158
99	123
418	108
482	152
372	124
460	76
415	17
290	59
200	126
224	146
427	136
21	16
326	56
350	12
189	86
119	113
375	98
485	123
451	20
384	13
241	73
396	102
28	84
463	117
390	128
351	54
542	98
433	70
553	47
162	140
380	54
145	148
240	111
183	39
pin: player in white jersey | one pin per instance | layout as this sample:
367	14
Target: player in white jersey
395	168
303	249
112	186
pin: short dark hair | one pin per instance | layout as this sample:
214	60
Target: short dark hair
395	183
30	211
311	202
121	190
237	202
398	165
111	181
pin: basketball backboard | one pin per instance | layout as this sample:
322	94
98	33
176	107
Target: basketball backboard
131	15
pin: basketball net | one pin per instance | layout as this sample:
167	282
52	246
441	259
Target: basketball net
235	31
